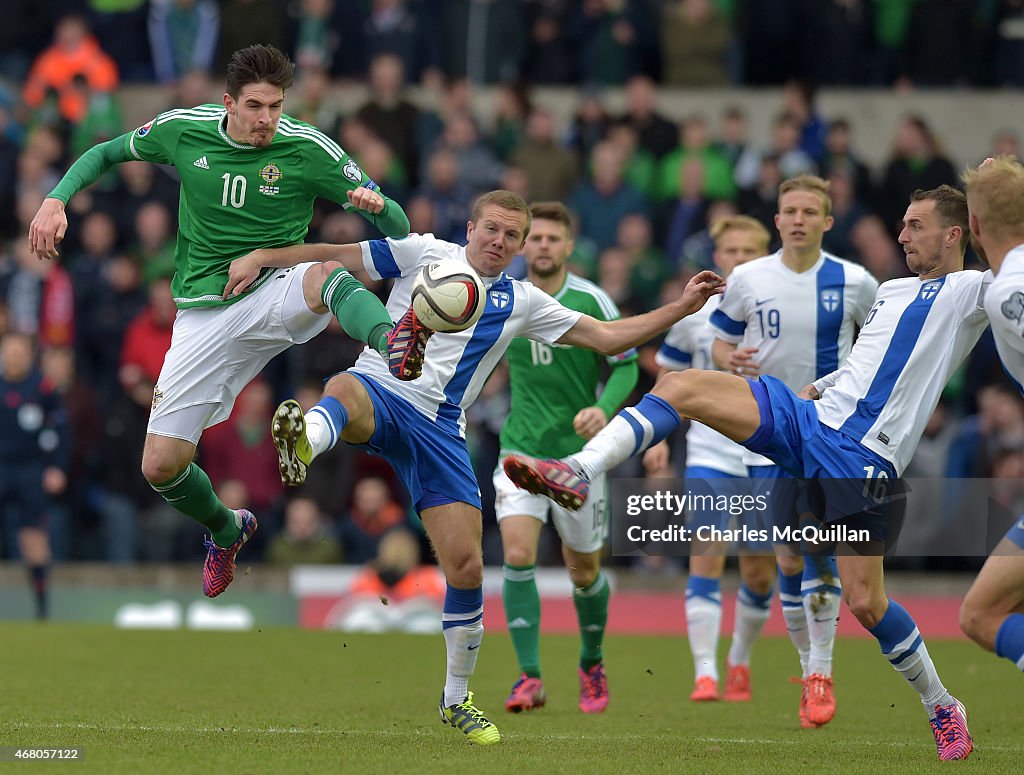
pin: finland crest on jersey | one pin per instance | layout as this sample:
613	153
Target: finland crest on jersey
688	345
915	336
1004	304
456	365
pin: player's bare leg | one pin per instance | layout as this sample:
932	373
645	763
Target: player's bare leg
520	534
722	401
455	531
590	596
168	467
992	614
902	645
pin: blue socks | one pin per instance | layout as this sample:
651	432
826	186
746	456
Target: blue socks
1010	640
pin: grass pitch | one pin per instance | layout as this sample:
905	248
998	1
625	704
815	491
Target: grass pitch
281	701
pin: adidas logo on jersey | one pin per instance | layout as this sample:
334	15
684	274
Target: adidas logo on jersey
202	163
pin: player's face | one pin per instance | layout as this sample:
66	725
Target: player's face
735	247
547	248
493	241
253	117
801	220
925	241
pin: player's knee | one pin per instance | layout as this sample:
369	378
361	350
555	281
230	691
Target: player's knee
759	578
157	468
584	577
676	387
466	570
972	620
863	606
519	555
790	565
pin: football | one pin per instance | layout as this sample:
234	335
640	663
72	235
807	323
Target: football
448	296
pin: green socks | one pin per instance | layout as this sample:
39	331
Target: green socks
361	314
592	614
522	611
192	494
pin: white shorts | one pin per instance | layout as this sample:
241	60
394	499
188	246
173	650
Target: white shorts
216	351
583	531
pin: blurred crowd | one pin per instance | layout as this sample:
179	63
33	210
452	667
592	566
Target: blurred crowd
643	187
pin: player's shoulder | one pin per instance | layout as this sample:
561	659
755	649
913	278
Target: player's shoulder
966	278
310	140
854	272
200	117
755	267
579	291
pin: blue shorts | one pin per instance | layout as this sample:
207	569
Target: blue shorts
854	484
1016	533
430	458
703	480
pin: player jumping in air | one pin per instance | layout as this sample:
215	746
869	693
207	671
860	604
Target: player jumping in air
249	175
419	425
854	430
555	407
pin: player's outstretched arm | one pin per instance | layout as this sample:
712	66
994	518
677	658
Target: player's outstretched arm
50	222
610	337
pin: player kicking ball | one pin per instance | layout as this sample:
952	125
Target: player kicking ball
853	430
249	175
417	423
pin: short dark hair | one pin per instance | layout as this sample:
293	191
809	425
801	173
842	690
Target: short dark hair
259	64
951	206
552	211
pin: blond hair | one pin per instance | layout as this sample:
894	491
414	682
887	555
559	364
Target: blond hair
811	183
995	194
506	200
741	223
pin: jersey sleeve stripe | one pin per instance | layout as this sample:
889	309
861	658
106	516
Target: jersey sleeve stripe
604	301
313	134
673	358
306	136
726	324
383	259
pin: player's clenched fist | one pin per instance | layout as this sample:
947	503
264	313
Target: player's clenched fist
363	198
47	228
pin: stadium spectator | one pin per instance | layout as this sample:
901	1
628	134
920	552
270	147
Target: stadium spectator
916	162
484	42
641	169
479	167
374	512
648	267
695	40
316	39
695	143
394	591
153	249
74	52
655	132
146	341
846	212
551	169
697	252
798	102
40	299
389	115
33	460
875	249
183	37
785	145
589	123
615	40
393	27
603	198
449	196
760	200
840	156
312	101
305	538
549	59
686	214
733	134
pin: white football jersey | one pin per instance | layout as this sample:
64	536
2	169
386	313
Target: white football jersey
456	365
803	323
688	345
915	336
1004	304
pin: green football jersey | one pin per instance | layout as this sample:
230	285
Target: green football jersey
236	198
551	383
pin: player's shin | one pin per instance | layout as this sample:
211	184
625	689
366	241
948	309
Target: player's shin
903	646
794	616
462	622
752	611
522	612
629	433
192	494
324	424
361	314
703	621
822	595
592	614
